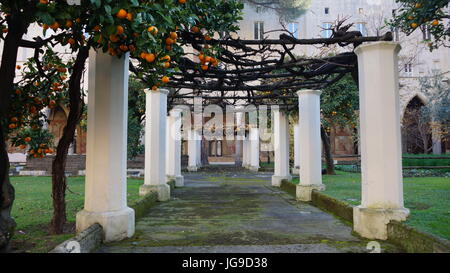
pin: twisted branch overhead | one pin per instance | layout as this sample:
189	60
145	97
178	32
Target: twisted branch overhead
263	71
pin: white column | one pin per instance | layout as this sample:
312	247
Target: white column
245	156
436	139
199	148
281	147
296	168
106	158
310	143
381	164
253	149
238	140
173	159
192	152
155	144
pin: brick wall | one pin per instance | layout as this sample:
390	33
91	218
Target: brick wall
73	165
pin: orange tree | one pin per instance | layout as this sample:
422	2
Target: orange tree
432	15
148	30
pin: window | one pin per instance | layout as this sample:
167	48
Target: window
408	69
258	9
361	27
293	28
326	30
327	10
259	30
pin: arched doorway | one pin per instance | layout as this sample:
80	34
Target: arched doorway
416	135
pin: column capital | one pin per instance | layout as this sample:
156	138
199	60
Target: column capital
309	91
382	45
159	90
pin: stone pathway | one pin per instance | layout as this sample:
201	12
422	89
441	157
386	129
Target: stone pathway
237	212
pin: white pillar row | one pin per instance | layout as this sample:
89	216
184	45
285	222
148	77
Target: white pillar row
281	148
192	151
310	143
173	159
253	149
381	156
155	145
296	168
106	158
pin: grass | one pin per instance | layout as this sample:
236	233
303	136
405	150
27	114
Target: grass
428	199
33	210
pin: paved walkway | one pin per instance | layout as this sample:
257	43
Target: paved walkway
237	212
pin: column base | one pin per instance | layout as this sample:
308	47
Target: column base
192	168
117	225
372	223
276	180
296	170
253	168
304	192
179	180
163	191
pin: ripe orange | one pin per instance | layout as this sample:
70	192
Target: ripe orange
69	24
23	146
27	139
122	14
173	35
150	57
124	48
435	22
43	2
18	67
142	55
207	38
14	119
12	126
195	29
181	1
54	26
166	58
165	79
414	25
166	65
153	30
130	17
418	5
169	41
120	30
205	67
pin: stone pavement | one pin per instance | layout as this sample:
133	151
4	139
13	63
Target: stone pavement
237	213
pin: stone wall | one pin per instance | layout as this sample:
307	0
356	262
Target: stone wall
74	164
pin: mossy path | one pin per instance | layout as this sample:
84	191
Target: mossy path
237	212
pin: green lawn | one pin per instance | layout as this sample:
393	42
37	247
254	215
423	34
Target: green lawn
32	209
428	199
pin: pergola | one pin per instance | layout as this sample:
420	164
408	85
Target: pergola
282	78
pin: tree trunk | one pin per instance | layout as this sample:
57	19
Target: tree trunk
327	150
7	75
59	180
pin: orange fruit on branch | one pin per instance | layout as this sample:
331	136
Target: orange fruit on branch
122	14
165	79
150	57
